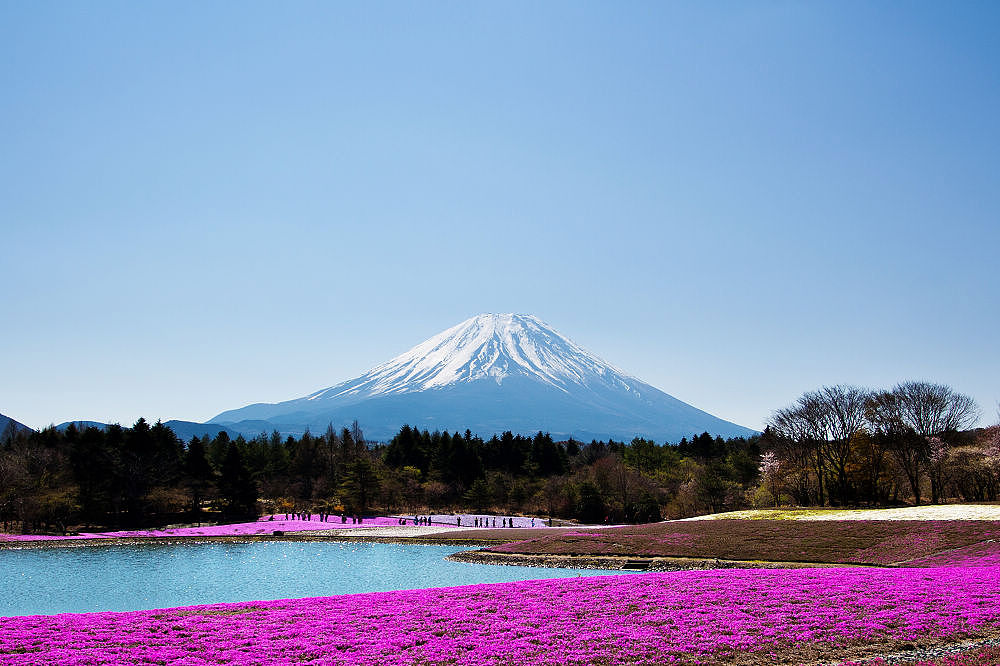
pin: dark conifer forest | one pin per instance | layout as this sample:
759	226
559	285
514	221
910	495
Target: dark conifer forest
67	479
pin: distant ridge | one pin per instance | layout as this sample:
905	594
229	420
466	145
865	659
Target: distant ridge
491	373
184	430
9	425
82	425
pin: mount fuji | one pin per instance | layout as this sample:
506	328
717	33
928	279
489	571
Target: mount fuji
491	373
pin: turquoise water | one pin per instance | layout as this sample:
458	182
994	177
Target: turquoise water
120	578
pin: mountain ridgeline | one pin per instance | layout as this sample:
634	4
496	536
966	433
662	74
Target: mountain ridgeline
184	430
9	427
491	373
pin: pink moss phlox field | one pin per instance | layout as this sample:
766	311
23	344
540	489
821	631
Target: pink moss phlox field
260	527
644	619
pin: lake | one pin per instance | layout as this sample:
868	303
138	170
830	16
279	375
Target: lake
121	578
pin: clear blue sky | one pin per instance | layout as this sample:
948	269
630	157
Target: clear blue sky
204	205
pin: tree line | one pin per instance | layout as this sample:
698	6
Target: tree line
839	445
120	477
848	445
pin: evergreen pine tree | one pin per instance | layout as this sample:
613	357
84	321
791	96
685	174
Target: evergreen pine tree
236	486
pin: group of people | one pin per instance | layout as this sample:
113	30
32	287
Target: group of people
477	521
417	520
304	515
484	521
323	517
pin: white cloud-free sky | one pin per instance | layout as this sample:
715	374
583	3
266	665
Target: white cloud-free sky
204	206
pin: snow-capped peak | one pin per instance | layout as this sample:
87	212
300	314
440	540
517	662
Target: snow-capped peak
488	346
491	373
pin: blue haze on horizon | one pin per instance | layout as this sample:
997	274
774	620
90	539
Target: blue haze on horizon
208	205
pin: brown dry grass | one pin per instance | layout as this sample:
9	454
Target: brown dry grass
847	542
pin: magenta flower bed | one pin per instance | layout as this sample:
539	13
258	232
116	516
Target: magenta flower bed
646	619
262	526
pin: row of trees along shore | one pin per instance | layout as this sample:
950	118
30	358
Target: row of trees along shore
842	446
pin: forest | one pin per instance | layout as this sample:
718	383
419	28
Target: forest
837	446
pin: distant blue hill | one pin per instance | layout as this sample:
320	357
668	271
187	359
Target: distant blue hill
188	429
7	423
82	425
252	428
184	430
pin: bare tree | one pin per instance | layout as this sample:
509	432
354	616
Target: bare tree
792	433
844	417
932	411
912	417
826	423
358	436
885	420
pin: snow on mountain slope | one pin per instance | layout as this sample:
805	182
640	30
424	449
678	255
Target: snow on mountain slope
489	373
490	346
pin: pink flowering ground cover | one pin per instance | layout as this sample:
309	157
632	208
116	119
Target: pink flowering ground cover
260	527
720	616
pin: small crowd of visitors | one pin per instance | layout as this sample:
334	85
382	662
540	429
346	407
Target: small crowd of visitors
484	521
417	520
477	521
323	517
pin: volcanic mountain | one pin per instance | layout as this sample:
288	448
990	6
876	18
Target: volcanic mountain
491	373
